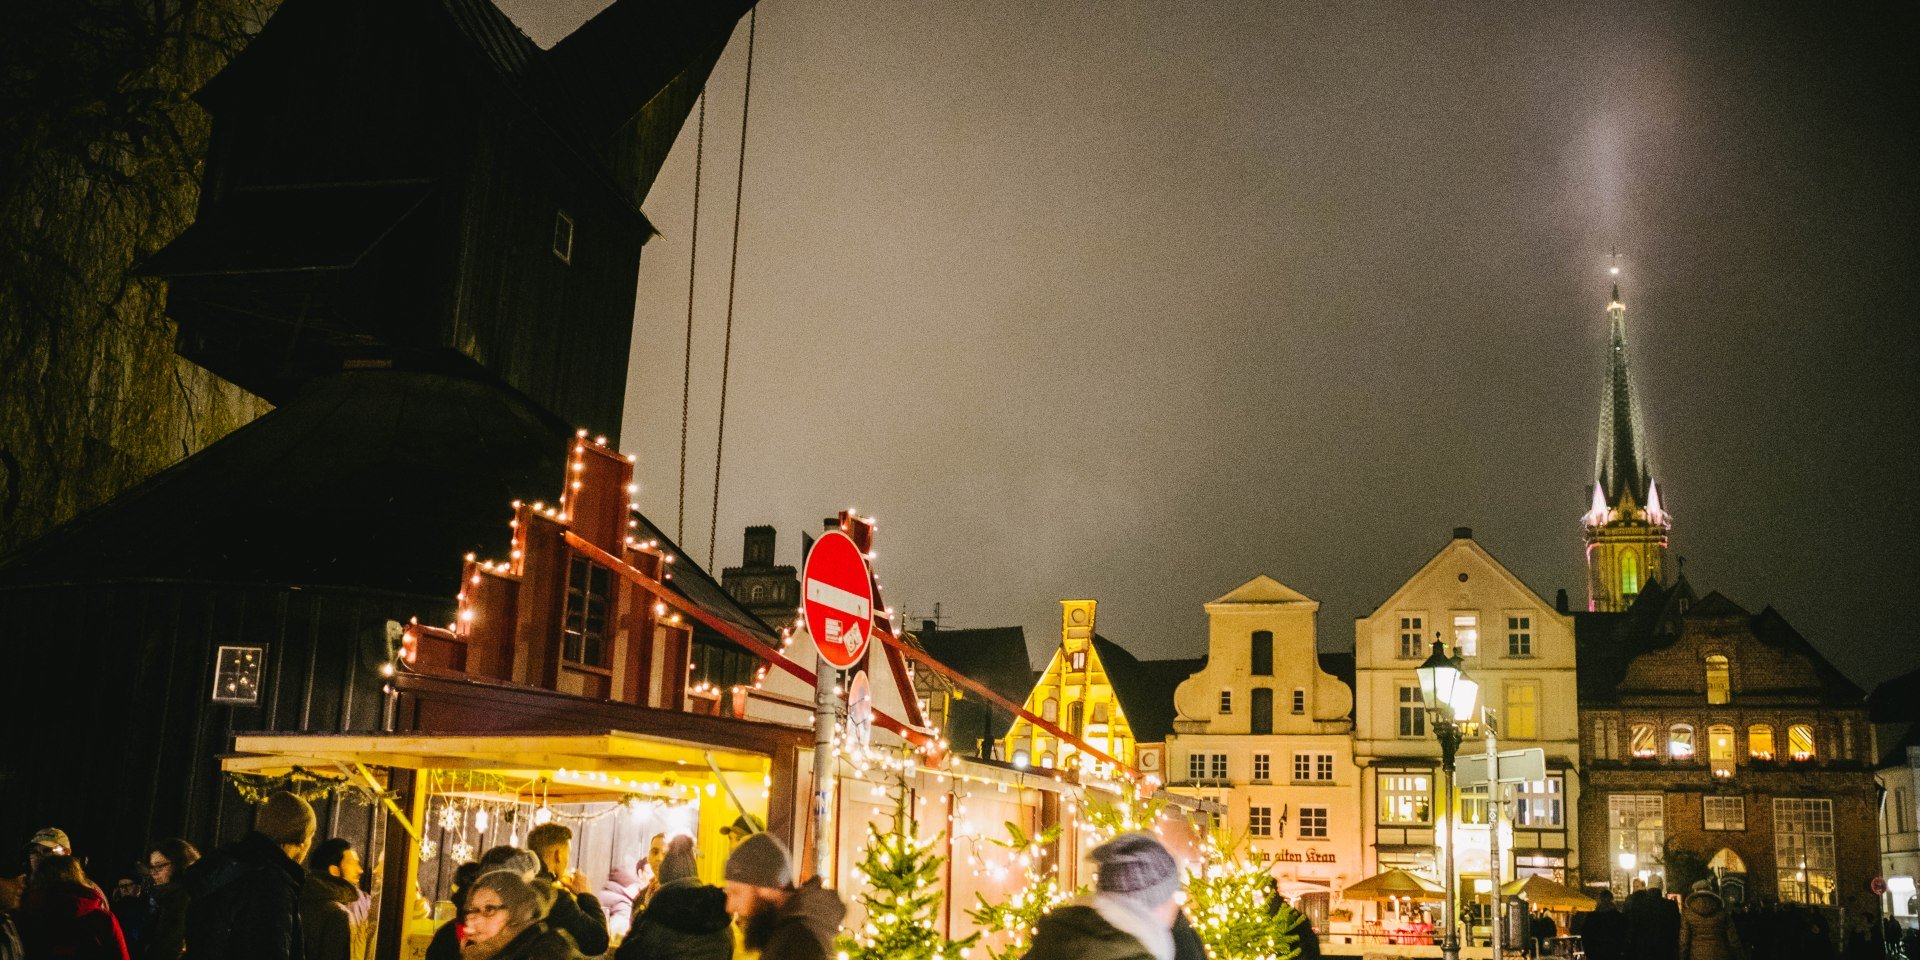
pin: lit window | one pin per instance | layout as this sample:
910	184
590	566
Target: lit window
1519	636
1077	660
1540	803
1523	710
1466	634
1800	742
236	674
563	236
1262	767
1046	760
1641	742
1313	823
1760	742
1412	646
1413	712
1299	701
1629	575
1719	680
1725	813
1680	741
1636	838
1260	821
1226	701
1803	850
1720	749
1406	798
1472	804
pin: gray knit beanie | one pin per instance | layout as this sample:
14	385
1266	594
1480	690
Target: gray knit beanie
679	862
285	819
761	861
1137	867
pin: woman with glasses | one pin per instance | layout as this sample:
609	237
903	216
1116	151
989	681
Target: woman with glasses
502	919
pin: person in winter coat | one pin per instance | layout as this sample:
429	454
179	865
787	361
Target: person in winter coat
333	909
1603	930
445	944
246	896
167	862
574	909
503	922
685	919
64	918
780	920
1653	925
11	890
1130	914
1706	929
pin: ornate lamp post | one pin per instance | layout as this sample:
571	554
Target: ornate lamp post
1449	697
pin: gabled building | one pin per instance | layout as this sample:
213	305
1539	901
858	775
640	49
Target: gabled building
1895	710
1719	744
1263	728
1626	527
1521	652
995	656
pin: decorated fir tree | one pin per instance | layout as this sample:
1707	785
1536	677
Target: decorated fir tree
1228	902
1040	892
899	881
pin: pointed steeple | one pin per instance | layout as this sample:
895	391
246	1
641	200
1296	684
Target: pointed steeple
1626	527
1620	456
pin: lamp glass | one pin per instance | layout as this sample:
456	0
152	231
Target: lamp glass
1465	693
1438	674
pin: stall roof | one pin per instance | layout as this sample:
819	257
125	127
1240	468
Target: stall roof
610	752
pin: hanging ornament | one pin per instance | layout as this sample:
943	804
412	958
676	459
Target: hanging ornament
427	849
462	852
480	819
449	817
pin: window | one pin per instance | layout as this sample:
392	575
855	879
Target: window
1473	804
236	674
1641	741
1725	813
1206	766
1412	639
1523	710
1046	760
1260	821
1519	636
1680	741
1406	798
1719	680
1720	749
1299	701
563	236
1226	701
1263	653
1540	803
1629	575
1800	742
1077	660
1413	712
758	593
1262	768
1313	767
1263	710
1466	634
1760	742
583	637
1099	713
1803	849
1217	766
1076	716
1196	766
1050	710
1636	833
1313	823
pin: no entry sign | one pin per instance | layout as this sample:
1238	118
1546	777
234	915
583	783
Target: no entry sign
839	599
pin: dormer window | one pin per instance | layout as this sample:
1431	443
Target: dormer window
563	236
1719	680
1077	660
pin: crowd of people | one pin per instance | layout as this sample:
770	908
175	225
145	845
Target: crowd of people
1702	926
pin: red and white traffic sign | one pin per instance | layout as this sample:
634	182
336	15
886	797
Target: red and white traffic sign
839	599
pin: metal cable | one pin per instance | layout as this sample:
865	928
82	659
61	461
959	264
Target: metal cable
686	371
726	355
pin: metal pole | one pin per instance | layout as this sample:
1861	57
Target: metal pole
1493	828
1449	734
826	719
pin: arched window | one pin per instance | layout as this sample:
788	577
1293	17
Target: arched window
1800	742
1076	712
1046	760
1642	742
1719	680
1680	741
759	592
1720	749
1050	710
1263	653
1629	574
1263	710
1760	742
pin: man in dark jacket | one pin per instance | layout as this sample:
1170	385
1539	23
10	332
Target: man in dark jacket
246	896
1131	913
575	911
780	920
333	909
1653	924
1603	930
685	919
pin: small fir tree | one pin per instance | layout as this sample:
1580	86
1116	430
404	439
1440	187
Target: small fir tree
899	880
1229	903
1019	917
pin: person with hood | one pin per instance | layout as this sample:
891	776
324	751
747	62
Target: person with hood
1706	929
64	915
1129	916
574	909
503	922
246	896
167	862
685	919
333	909
780	920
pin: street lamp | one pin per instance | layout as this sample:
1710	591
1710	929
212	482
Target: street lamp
1449	696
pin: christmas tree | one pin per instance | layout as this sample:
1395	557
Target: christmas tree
899	877
1228	901
1041	892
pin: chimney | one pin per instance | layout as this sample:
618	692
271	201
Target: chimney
1560	600
1463	533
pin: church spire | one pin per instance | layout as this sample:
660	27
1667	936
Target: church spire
1626	526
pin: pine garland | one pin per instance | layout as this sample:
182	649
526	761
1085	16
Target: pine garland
303	783
899	877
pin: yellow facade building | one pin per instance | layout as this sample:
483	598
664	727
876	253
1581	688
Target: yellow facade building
1076	692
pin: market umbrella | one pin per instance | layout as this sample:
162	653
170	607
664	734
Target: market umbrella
1544	892
1393	884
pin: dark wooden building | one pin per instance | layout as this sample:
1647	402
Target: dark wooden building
419	237
1719	745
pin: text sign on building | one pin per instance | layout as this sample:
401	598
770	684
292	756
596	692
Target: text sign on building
1516	766
838	599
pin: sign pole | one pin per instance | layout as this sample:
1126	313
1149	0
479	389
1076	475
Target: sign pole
1493	830
825	720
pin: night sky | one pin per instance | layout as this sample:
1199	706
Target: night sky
1136	301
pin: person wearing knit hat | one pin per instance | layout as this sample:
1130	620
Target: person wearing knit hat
1130	914
684	919
245	897
780	920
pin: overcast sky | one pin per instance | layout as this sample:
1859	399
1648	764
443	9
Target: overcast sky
1136	301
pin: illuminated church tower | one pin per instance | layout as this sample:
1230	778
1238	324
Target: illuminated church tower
1626	528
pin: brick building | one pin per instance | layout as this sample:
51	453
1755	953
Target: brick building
1719	744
